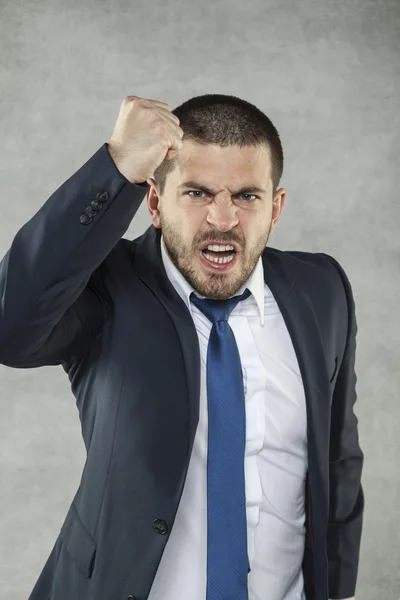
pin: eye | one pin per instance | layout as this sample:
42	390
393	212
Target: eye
200	192
254	196
195	192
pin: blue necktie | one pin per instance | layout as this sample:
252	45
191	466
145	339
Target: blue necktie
227	558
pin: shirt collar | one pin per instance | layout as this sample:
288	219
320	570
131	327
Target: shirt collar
255	283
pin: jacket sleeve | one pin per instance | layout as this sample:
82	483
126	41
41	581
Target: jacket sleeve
51	299
346	459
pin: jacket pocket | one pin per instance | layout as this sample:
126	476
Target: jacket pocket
78	542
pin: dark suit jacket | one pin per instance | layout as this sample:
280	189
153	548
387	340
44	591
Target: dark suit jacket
74	293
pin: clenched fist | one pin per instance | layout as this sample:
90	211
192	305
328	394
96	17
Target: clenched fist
145	133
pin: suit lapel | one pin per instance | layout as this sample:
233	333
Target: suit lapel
150	269
298	313
299	316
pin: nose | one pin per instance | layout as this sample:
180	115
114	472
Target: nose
222	213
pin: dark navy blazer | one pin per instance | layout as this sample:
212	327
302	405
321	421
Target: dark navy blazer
75	293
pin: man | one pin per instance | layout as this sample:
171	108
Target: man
214	375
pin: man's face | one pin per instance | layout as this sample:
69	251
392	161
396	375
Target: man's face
191	218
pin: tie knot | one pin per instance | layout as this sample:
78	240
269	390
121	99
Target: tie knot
217	310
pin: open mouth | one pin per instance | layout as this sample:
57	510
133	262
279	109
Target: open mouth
219	257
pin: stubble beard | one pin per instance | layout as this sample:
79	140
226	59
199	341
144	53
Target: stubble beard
216	286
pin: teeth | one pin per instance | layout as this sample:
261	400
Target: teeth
224	259
219	248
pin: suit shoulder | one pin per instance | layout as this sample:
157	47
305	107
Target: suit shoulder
311	264
293	257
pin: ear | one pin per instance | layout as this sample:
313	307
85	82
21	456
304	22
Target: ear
153	202
277	205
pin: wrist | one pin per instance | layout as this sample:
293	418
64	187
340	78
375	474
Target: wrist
124	166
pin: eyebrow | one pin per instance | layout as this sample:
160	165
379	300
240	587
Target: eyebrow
248	189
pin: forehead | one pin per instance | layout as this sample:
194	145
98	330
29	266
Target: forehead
212	160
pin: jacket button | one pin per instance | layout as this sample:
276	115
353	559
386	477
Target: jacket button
96	205
102	197
85	219
131	598
160	526
90	212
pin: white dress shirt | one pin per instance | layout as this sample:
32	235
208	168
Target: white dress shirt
275	456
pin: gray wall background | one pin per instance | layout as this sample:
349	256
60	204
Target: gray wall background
327	73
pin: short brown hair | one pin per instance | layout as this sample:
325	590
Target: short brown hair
225	121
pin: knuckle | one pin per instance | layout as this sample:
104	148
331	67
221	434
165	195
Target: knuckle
160	127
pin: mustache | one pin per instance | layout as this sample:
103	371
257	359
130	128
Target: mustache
221	240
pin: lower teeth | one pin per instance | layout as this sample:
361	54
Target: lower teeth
224	259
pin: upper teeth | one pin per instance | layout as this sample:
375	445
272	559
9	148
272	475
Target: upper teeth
218	248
